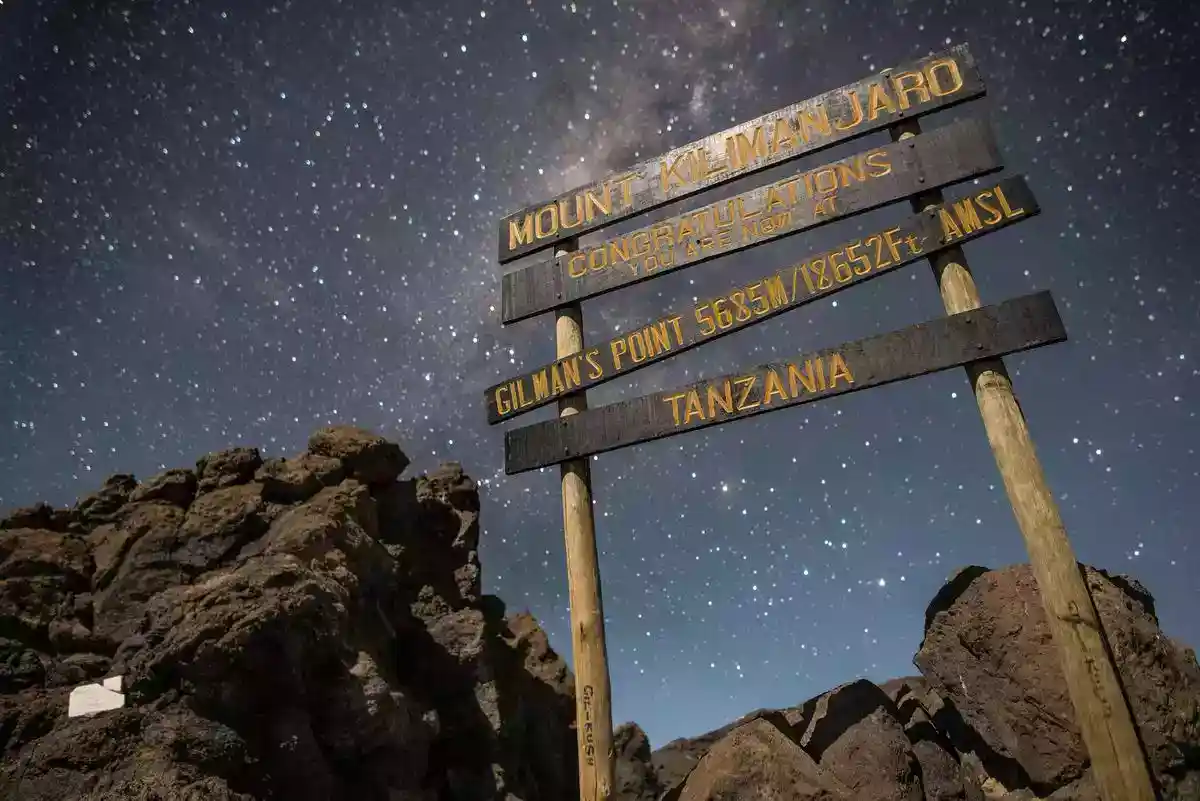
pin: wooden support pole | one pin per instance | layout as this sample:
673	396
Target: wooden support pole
1102	711
593	699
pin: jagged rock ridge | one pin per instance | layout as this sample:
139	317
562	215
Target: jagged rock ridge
989	718
308	628
313	628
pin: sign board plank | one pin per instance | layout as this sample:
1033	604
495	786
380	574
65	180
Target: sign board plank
810	198
989	208
935	82
1027	322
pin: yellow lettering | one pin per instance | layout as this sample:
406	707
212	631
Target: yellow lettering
798	378
603	264
825	206
674	321
618	251
542	231
1009	211
670	173
718	220
880	162
790	185
878	240
618	347
856	169
723	400
992	215
857	115
674	401
893	243
742	209
694	409
826	172
594	368
918	86
746	383
968	218
570	370
774	199
879	100
503	405
742	151
949	67
684	230
576	265
626	192
563	216
838	369
783	135
520	236
541	384
776	291
593	204
950	230
641	243
637	347
556	380
657	338
772	386
661	234
815	121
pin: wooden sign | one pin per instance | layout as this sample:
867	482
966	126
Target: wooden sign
990	208
928	84
1015	325
805	200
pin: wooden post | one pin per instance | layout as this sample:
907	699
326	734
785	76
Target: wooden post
1102	711
593	700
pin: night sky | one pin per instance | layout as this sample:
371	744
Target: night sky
232	223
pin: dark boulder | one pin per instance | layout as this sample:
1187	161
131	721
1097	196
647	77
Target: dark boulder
227	468
368	457
989	655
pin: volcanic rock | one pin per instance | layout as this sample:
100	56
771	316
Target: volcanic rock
315	628
989	719
367	457
989	653
309	628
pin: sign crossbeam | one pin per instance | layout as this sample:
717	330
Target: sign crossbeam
810	198
1010	327
935	82
988	208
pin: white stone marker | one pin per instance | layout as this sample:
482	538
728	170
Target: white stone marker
89	699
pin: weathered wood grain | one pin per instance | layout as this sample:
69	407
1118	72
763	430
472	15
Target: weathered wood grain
1016	325
1119	767
956	152
989	208
934	82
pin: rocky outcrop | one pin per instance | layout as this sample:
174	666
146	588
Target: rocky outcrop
990	659
308	628
314	628
989	719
